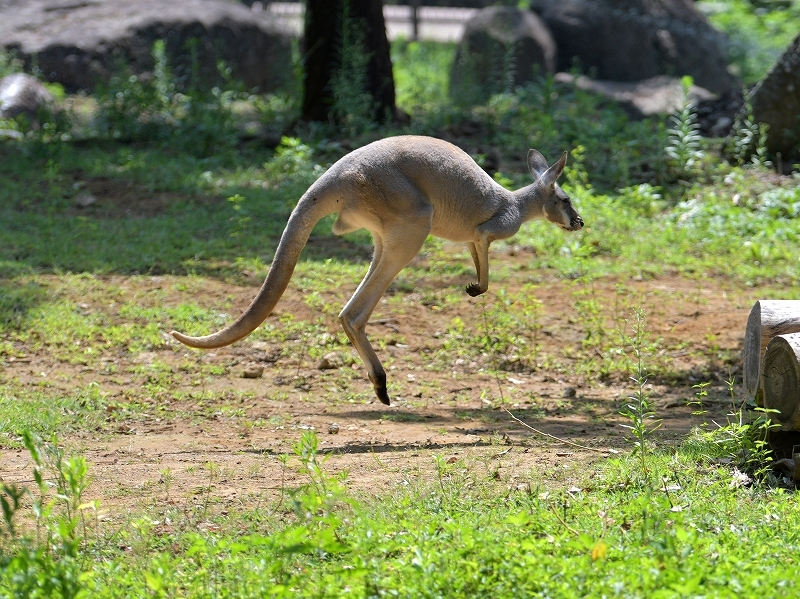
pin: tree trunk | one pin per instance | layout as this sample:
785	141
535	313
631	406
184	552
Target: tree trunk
767	319
781	380
348	67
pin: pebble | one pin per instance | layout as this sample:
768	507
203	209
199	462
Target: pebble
331	361
252	372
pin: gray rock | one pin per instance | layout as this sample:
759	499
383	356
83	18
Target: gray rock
23	94
331	361
84	199
80	43
633	40
776	102
252	371
657	95
502	47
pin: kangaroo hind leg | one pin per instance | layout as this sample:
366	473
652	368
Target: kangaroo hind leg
395	247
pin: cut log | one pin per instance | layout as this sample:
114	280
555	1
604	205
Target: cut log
781	380
767	319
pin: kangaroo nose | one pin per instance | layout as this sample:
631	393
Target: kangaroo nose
579	222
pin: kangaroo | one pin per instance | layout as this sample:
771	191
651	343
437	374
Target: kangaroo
402	189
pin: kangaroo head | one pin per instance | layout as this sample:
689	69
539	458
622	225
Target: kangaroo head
556	205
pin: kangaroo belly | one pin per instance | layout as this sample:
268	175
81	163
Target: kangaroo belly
453	232
458	222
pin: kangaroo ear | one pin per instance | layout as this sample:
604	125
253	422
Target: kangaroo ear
554	172
537	163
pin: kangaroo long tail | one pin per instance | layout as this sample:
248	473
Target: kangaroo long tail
308	213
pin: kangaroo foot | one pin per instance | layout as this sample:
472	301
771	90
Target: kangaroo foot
379	382
383	395
474	289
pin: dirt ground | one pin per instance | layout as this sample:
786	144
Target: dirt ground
183	451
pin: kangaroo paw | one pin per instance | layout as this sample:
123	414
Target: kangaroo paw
379	382
474	289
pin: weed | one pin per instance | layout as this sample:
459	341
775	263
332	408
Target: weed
639	411
319	498
744	439
511	329
133	109
45	413
683	150
10	63
213	475
700	395
11	496
748	138
292	161
48	564
421	90
166	478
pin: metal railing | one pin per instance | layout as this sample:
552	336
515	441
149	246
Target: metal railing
411	22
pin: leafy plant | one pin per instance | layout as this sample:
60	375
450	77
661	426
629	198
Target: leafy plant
317	501
744	439
640	411
684	150
748	138
49	564
10	500
421	88
132	108
511	329
757	32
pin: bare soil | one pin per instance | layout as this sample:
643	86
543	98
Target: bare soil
183	451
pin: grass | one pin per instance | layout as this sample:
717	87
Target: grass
47	412
758	33
685	528
189	209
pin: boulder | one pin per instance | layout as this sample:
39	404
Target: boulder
776	102
633	40
657	95
502	47
23	94
80	44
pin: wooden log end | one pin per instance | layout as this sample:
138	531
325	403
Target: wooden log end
781	380
767	319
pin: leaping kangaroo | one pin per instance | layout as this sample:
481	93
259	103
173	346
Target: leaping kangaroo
402	189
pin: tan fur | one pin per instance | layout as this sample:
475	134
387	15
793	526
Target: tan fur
402	189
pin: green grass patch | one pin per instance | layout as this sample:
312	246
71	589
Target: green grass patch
685	526
48	412
758	32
